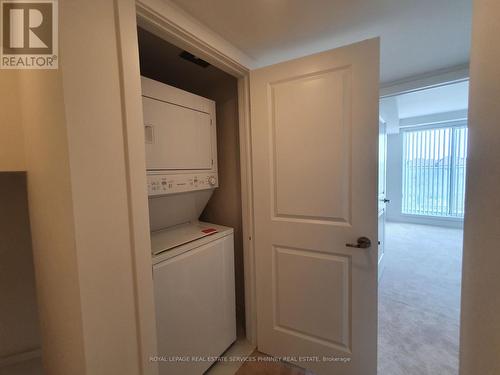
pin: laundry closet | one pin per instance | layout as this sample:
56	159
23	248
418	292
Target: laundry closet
190	111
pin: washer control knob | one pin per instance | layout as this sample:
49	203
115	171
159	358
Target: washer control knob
211	180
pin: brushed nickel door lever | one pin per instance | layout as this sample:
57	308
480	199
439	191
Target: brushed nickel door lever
363	243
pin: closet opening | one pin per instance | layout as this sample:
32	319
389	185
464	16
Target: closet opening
194	291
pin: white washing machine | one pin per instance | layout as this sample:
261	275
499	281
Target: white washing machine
195	299
193	262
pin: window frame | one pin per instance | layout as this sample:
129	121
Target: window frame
454	124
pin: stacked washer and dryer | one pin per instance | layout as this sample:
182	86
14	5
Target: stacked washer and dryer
193	261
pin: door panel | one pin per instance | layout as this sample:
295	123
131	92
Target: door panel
296	105
319	313
314	146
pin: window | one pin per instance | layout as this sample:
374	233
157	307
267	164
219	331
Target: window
434	171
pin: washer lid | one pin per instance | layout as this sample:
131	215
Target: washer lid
167	239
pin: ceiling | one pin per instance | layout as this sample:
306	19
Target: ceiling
437	100
443	103
417	36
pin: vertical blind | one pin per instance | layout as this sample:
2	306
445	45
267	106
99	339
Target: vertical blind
434	171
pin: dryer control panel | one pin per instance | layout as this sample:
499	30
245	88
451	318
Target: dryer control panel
162	184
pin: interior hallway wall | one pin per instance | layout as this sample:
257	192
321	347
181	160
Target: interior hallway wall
19	327
480	320
51	218
80	213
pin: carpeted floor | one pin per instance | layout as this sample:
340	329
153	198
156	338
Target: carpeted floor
419	301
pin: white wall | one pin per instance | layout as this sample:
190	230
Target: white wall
52	226
480	320
85	250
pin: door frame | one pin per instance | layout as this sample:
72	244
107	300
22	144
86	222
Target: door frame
159	19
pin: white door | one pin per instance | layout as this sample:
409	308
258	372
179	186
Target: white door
382	196
314	147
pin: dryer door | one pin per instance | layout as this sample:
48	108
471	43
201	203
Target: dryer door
177	138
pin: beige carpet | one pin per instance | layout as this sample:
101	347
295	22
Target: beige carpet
419	301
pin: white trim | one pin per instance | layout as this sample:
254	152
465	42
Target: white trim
241	349
12	359
437	78
135	167
247	208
